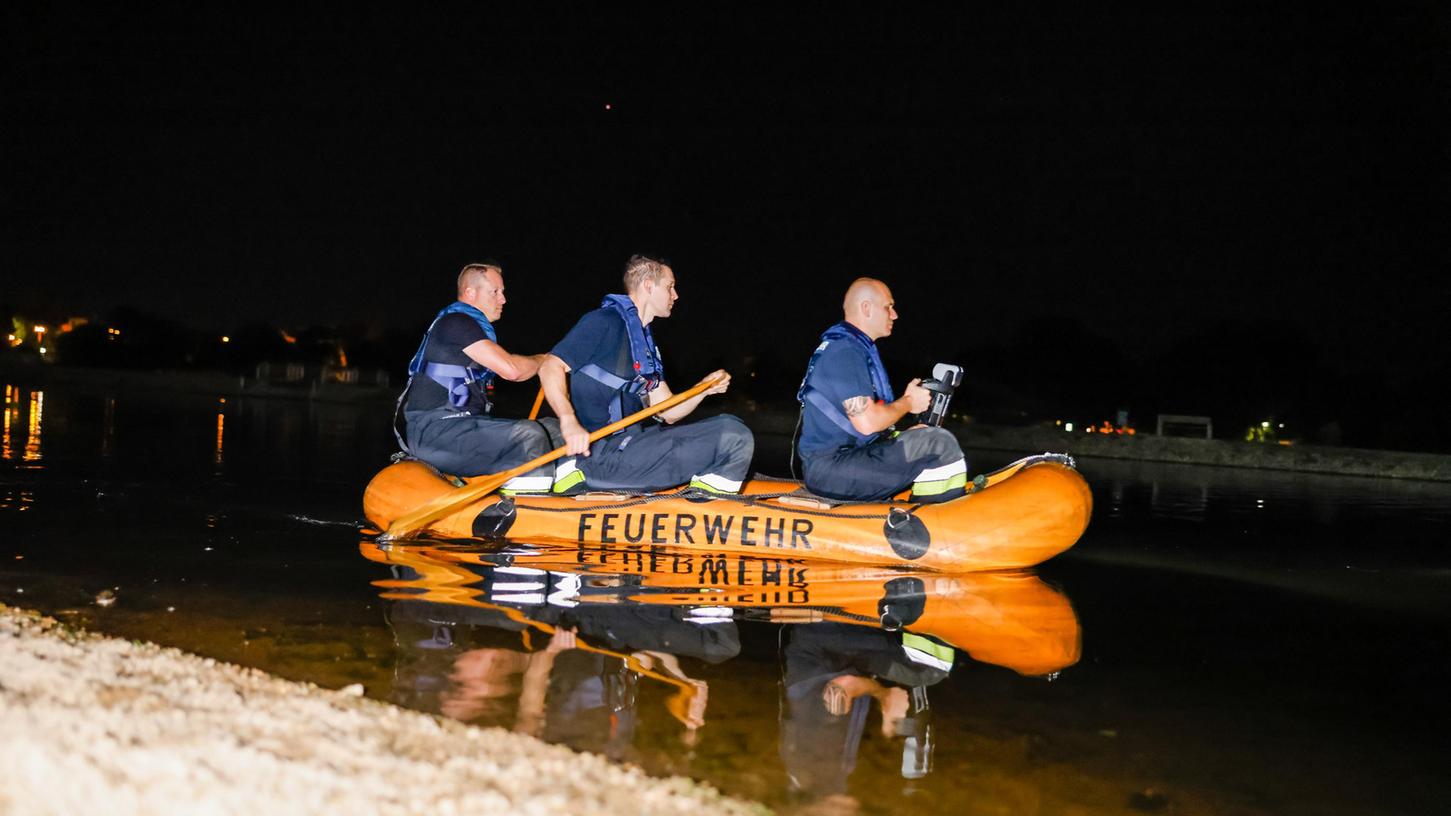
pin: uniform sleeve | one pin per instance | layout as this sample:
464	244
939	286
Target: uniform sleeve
450	337
460	330
593	333
841	374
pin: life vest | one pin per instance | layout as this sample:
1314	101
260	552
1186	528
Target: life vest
644	355
459	381
882	390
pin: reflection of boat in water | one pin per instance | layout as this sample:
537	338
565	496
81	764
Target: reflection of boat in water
1016	517
594	622
1009	619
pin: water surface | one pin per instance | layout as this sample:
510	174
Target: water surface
1221	641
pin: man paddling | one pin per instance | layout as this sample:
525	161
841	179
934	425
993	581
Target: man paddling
446	404
608	367
847	447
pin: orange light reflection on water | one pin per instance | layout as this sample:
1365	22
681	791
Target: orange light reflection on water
32	440
6	452
221	434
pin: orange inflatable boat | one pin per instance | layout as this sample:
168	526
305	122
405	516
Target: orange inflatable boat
1016	517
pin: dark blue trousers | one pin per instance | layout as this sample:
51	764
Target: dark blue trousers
468	445
714	453
924	458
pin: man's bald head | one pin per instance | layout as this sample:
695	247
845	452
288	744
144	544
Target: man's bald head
864	289
868	305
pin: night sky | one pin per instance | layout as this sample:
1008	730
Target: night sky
1147	174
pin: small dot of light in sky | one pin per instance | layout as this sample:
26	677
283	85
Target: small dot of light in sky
608	106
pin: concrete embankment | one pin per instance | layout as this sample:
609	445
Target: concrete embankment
1177	450
1214	452
91	723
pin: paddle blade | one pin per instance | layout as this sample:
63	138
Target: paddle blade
445	505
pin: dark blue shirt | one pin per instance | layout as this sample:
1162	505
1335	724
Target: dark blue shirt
841	373
599	337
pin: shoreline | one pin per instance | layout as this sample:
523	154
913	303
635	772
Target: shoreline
1022	440
87	718
1178	450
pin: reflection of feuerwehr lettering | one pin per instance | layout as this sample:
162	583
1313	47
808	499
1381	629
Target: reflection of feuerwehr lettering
683	528
716	569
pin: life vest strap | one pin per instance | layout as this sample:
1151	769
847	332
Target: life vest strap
456	380
833	413
615	383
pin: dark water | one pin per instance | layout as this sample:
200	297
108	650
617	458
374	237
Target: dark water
1250	642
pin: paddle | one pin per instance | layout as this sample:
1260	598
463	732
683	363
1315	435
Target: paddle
538	401
481	486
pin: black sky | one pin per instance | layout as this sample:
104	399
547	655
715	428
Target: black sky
1145	172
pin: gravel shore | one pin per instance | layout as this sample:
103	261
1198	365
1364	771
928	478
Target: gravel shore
90	723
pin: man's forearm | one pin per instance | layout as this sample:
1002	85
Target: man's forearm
678	413
880	416
553	379
525	366
681	411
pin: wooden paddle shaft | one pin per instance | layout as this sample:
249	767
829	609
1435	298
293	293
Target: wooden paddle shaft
481	486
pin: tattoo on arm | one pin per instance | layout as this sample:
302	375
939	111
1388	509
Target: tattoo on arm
856	405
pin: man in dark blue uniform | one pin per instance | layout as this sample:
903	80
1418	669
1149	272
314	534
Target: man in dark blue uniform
446	403
607	368
848	449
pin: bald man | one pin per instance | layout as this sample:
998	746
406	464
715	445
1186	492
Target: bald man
446	403
847	447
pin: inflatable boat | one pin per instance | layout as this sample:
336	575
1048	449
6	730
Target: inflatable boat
1016	517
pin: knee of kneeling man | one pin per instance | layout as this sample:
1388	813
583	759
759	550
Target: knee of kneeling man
531	433
732	429
942	440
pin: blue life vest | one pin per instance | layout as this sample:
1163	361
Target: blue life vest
846	333
457	380
644	355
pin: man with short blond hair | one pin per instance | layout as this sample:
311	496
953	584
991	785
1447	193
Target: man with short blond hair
476	276
608	367
642	268
848	447
447	403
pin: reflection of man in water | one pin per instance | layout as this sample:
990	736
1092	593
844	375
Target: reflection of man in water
580	688
482	681
833	673
592	696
